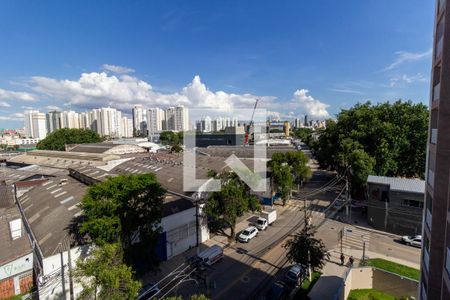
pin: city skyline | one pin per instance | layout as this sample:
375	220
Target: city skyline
172	63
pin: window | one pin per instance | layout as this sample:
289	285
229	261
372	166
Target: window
412	203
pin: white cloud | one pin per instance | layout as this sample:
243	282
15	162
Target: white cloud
347	91
117	69
11	95
4	104
396	80
307	105
53	107
100	89
404	56
12	117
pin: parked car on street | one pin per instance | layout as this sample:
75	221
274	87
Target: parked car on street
294	276
278	290
246	235
415	241
148	292
211	255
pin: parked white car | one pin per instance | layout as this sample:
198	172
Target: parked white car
415	241
246	235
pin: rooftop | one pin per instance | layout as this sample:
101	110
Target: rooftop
399	184
10	249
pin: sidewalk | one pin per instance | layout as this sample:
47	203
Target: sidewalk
333	274
166	267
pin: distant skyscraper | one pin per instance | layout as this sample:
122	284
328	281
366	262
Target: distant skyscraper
170	118
139	115
111	120
306	120
53	119
35	124
181	118
156	119
70	119
297	123
206	124
126	128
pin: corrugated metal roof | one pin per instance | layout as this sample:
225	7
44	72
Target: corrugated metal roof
399	184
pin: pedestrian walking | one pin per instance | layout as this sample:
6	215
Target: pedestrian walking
351	260
342	259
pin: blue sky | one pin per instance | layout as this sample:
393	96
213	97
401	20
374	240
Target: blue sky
299	57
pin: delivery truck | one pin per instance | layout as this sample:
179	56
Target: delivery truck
267	218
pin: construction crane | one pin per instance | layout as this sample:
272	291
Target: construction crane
247	132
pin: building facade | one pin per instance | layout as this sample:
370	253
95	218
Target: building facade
156	119
435	261
139	116
395	204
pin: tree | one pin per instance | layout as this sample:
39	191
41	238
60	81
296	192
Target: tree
176	149
58	139
103	275
287	168
361	167
306	250
125	209
393	135
232	201
171	138
282	179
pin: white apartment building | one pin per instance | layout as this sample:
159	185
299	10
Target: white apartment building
35	124
182	118
139	115
110	120
70	119
127	127
53	121
95	120
156	119
206	124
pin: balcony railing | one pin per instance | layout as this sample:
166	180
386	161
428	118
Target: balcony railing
428	218
426	259
434	132
431	178
436	91
439	48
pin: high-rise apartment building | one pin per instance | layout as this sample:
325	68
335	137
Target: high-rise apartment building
53	121
206	124
111	121
70	119
156	119
139	114
181	118
35	124
126	127
435	261
170	118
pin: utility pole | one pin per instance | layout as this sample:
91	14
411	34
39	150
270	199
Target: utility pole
63	279
70	272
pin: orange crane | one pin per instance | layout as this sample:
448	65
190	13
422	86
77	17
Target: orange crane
247	132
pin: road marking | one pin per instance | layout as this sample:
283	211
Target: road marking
60	194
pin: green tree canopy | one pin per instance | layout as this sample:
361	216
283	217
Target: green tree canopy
232	201
59	138
103	275
306	250
288	168
125	209
171	138
389	137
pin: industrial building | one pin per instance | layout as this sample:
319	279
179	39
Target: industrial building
395	204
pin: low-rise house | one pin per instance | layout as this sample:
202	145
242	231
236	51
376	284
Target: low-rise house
16	255
395	204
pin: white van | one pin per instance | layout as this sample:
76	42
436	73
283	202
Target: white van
211	255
